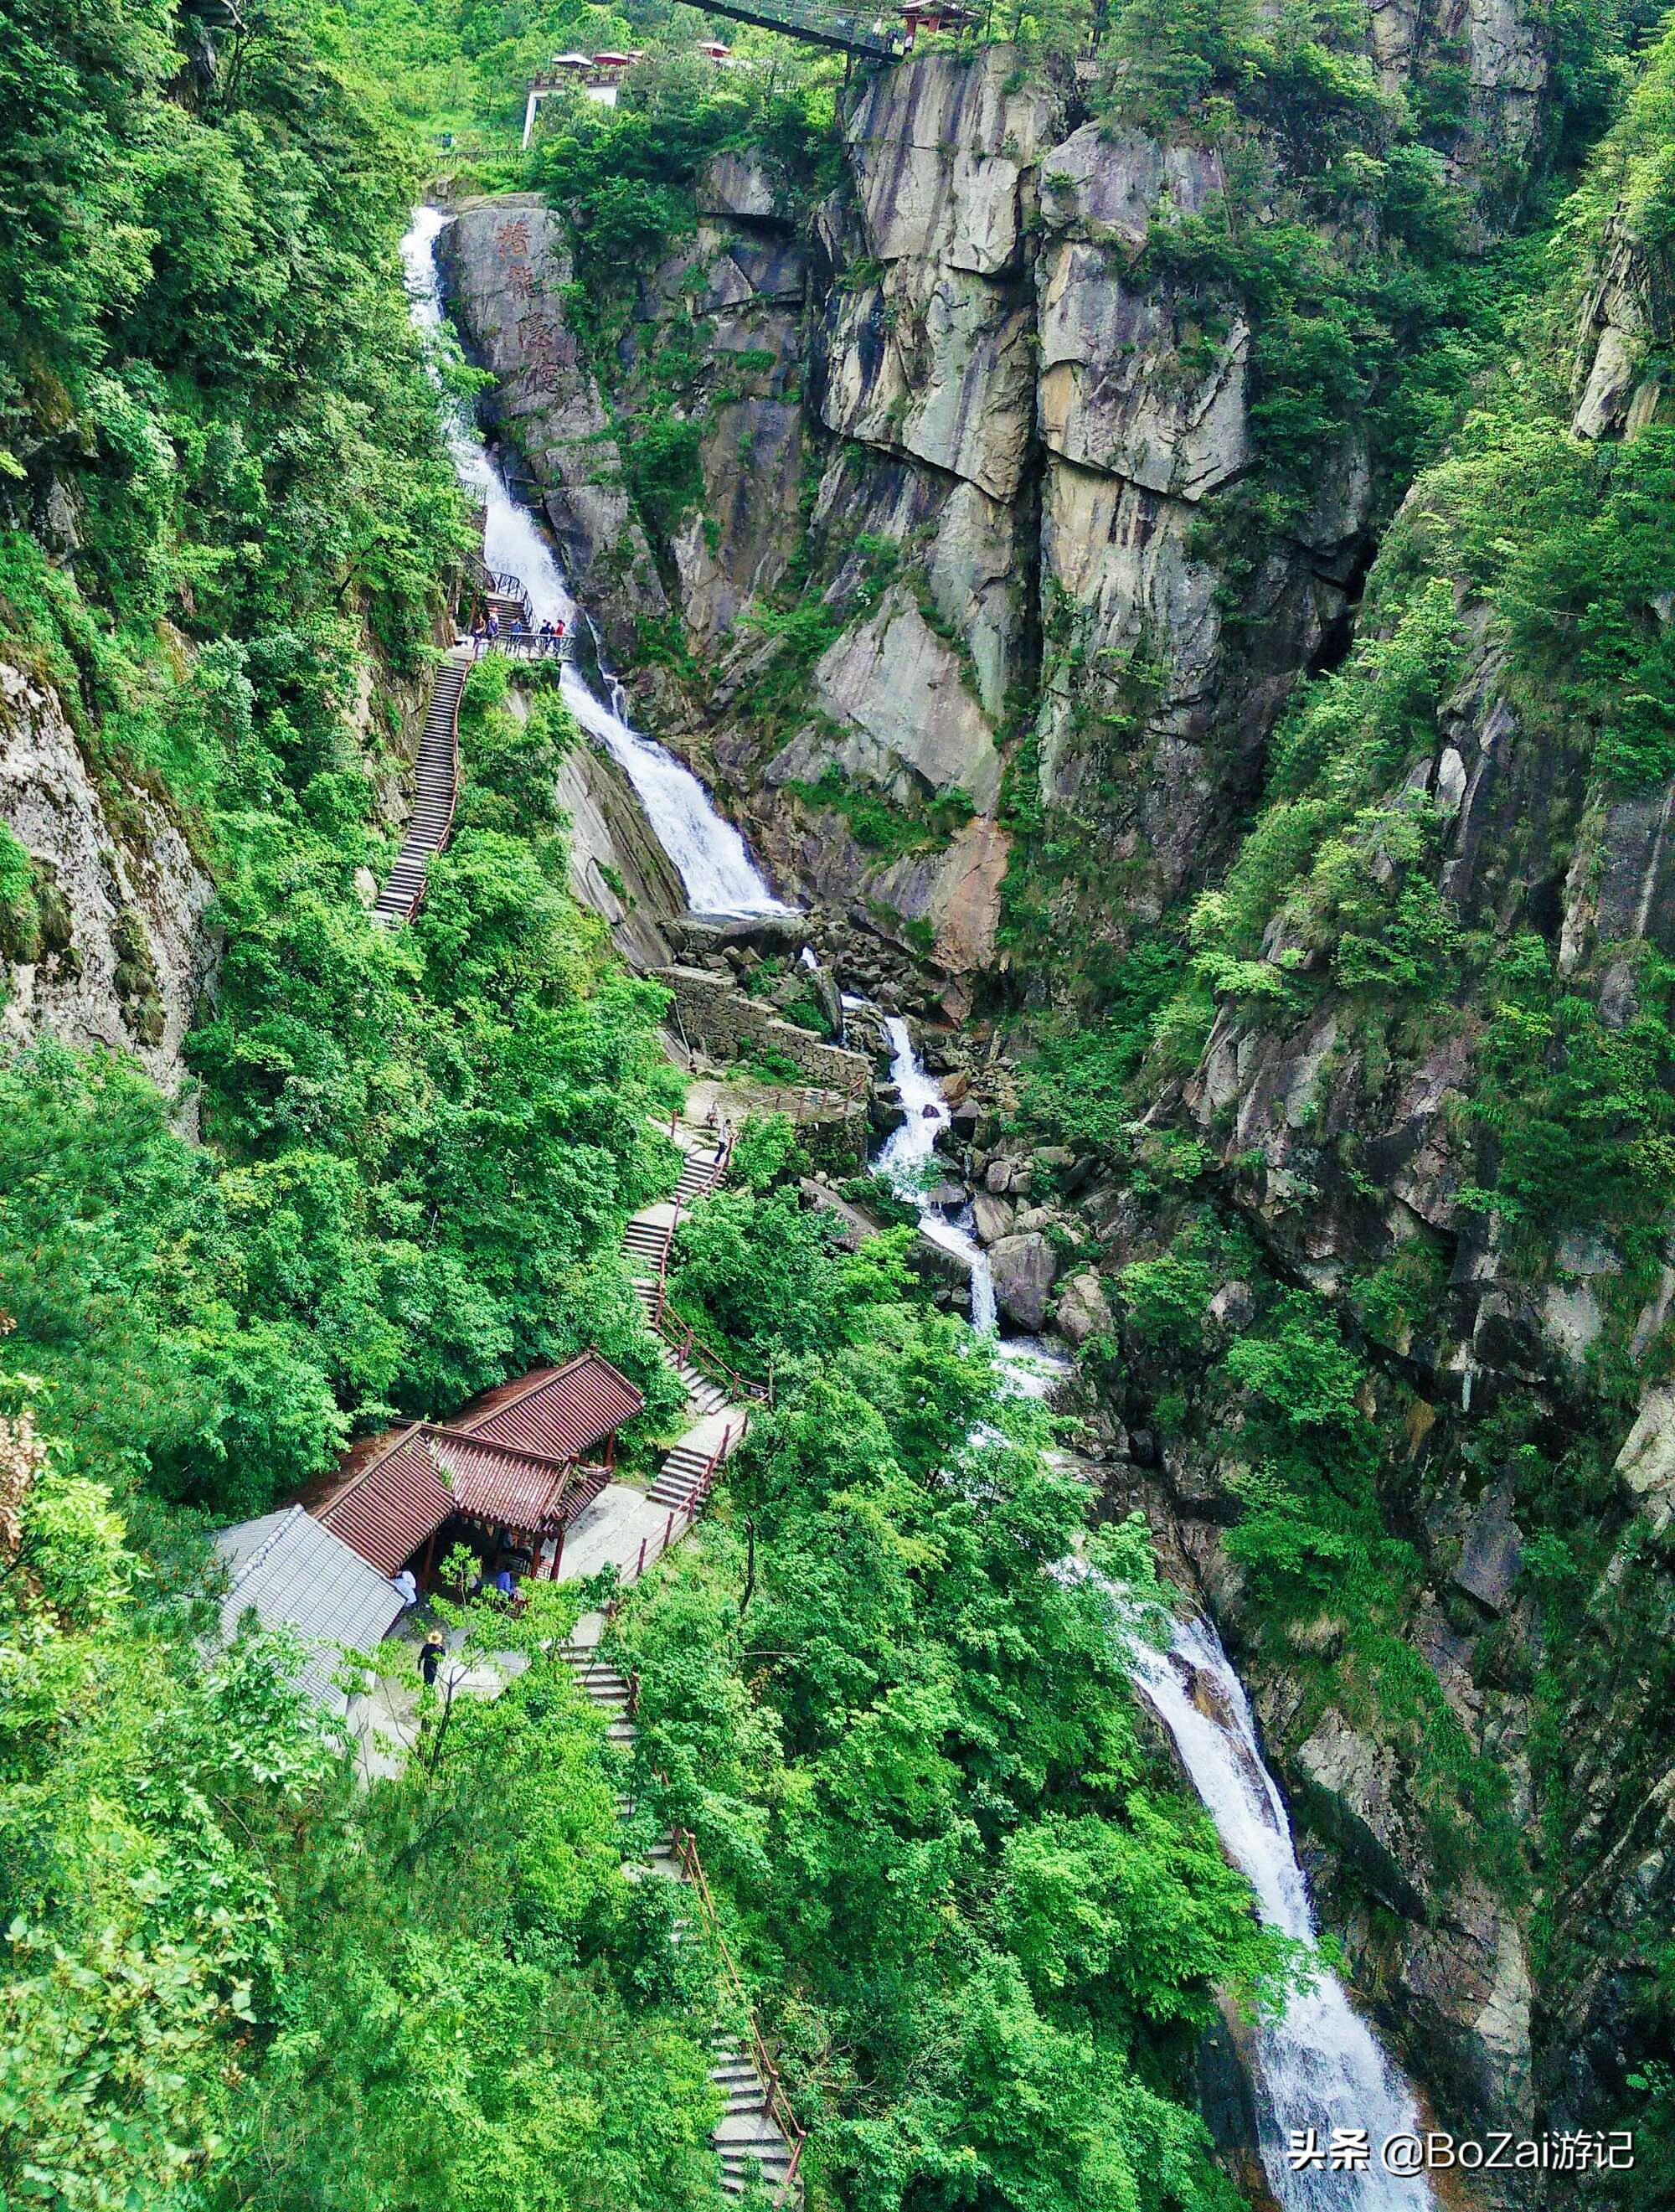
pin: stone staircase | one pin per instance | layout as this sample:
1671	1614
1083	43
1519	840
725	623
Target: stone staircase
435	780
685	1466
749	2141
718	1424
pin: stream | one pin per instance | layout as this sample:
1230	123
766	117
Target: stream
711	857
1317	2065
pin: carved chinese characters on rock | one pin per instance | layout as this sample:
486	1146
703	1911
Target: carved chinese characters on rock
546	346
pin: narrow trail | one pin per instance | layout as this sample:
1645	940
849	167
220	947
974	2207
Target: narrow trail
436	788
756	2139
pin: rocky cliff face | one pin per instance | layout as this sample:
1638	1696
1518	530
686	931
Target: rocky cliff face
970	586
110	943
1362	1137
963	397
116	953
506	263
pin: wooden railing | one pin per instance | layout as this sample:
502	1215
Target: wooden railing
775	2102
686	1344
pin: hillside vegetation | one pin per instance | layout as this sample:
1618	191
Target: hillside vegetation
397	1172
1323	905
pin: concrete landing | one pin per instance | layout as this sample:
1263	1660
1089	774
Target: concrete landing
610	1532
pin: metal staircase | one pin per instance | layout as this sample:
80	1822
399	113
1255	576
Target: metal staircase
436	783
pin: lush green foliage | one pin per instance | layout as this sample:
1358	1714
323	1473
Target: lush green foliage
1078	1088
884	825
984	1920
237	1977
1562	544
425	1141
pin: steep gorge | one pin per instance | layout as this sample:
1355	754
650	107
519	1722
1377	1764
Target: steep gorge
1008	506
991	585
989	416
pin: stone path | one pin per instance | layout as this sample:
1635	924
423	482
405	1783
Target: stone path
624	1527
756	2138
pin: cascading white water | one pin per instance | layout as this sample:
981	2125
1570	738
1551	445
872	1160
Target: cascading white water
1031	1370
712	858
1318	2065
906	1153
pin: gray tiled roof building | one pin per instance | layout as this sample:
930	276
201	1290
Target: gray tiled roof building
293	1572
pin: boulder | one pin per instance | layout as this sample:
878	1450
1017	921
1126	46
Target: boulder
1492	1553
991	1218
940	148
1646	1464
737	185
1083	1311
1112	393
935	363
1110	184
1023	1267
955	892
1233	1305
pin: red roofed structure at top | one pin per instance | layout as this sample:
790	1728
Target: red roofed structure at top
514	1460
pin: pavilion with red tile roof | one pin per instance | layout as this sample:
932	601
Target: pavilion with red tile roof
514	1461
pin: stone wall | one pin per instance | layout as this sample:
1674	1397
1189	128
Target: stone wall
711	1012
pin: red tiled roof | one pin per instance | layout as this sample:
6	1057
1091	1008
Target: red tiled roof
387	1509
492	1482
555	1412
505	1459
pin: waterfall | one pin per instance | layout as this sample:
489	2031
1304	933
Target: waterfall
1317	2064
712	859
1031	1369
909	1150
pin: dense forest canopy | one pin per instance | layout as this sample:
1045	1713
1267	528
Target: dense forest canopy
987	1925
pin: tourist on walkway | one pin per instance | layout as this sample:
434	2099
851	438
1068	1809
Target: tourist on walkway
430	1658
